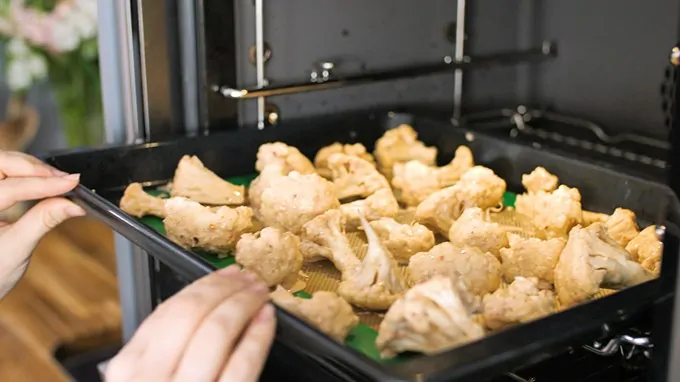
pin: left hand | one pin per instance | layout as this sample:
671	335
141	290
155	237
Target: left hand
23	178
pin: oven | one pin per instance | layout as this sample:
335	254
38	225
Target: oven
585	88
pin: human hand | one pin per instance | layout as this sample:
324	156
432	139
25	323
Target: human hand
23	178
219	328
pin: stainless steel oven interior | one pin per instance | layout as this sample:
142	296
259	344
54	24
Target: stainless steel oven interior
591	77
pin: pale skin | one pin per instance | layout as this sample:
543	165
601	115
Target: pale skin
219	328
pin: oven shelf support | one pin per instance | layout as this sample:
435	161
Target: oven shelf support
545	51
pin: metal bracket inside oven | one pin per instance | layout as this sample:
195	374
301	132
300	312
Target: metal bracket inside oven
628	345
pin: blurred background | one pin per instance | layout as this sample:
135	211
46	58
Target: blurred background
66	307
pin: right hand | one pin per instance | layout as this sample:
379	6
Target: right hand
219	328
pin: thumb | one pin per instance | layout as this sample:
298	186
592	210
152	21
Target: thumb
43	217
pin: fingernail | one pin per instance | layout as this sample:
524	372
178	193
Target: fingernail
72	177
56	172
265	314
229	271
75	210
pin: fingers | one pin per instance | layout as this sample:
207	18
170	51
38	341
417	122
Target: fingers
16	164
161	340
215	340
13	190
30	228
247	361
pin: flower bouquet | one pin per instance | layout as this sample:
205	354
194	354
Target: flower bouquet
56	40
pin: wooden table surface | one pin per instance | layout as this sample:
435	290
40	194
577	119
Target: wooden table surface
68	296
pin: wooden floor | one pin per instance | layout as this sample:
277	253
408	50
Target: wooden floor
68	298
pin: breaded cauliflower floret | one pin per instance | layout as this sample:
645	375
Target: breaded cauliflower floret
622	226
356	149
327	311
287	156
401	145
194	181
138	203
552	213
379	205
531	257
478	187
479	271
520	302
261	183
375	283
324	238
540	180
291	201
431	317
473	229
355	177
216	230
403	240
646	249
272	254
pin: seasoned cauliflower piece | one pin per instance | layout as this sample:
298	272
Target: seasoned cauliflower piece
479	271
415	181
261	183
324	238
379	205
622	226
552	213
194	181
138	203
539	180
325	310
291	201
403	240
646	248
287	156
474	230
216	230
531	258
355	177
356	149
431	317
375	283
401	145
520	302
591	260
590	217
272	254
478	187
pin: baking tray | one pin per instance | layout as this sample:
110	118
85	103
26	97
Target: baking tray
106	172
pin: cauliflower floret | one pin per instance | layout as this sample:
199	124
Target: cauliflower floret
375	283
622	226
261	183
591	260
321	159
520	302
472	229
401	145
138	203
291	201
403	240
540	180
478	187
325	310
215	230
646	248
479	271
552	213
324	238
355	177
194	181
379	205
462	161
287	156
431	317
531	257
272	254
